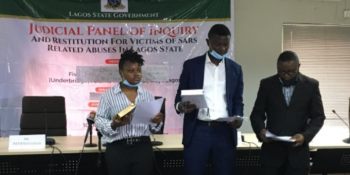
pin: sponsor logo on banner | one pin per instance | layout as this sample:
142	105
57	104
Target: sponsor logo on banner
102	89
93	104
114	5
112	61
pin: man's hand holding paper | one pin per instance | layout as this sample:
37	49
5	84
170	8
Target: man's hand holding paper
299	139
264	137
236	123
186	107
268	134
193	97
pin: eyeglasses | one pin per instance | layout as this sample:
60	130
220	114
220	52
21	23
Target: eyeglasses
290	72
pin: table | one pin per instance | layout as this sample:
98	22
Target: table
169	156
73	144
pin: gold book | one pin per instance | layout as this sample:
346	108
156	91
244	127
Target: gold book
125	111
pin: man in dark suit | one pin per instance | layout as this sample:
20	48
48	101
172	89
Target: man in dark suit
222	82
292	105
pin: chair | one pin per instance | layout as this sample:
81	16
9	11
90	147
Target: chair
162	110
43	115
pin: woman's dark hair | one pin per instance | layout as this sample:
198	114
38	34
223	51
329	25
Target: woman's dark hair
132	56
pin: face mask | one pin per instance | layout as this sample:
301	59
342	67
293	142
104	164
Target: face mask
217	56
131	85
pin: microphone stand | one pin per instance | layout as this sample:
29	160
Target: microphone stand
346	140
99	158
99	134
156	143
49	141
89	130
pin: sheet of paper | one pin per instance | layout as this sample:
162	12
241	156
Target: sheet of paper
284	138
146	110
239	138
269	134
192	92
231	119
280	138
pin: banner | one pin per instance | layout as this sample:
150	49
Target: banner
71	48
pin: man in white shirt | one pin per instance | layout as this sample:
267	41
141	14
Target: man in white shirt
222	82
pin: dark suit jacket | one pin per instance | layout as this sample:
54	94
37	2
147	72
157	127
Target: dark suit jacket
304	115
192	77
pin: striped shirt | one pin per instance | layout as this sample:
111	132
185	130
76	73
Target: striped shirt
111	103
288	92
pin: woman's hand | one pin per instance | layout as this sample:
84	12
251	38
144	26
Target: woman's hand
157	118
117	121
93	114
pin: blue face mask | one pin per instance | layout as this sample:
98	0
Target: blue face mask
131	85
217	56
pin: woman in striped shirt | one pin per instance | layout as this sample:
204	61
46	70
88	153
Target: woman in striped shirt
129	150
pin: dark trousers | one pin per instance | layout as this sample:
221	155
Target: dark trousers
129	159
286	169
214	141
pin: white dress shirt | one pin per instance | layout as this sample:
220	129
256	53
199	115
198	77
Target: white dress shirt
214	88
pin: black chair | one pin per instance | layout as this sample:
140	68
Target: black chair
162	110
43	115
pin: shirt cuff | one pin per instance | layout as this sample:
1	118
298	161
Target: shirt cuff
177	107
110	130
157	127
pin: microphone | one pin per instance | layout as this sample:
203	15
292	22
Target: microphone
340	118
347	140
90	121
49	141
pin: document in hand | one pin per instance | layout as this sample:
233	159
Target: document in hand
231	119
280	138
195	96
146	110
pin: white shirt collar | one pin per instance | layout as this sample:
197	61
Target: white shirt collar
208	61
117	89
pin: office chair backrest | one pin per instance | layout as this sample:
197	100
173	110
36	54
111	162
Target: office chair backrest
39	112
162	110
